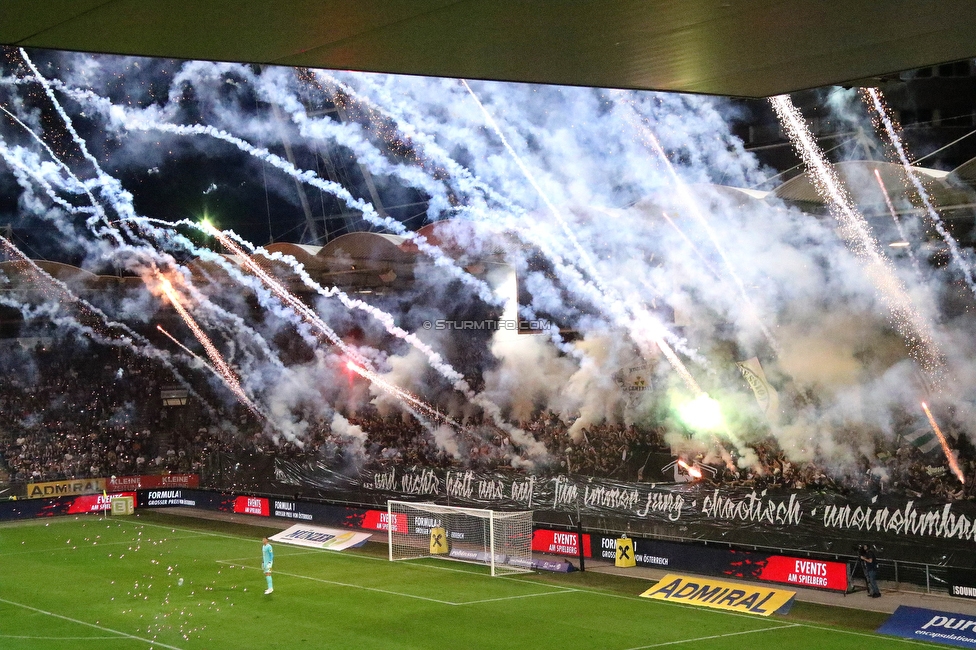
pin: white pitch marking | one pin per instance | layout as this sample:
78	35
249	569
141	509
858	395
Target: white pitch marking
492	600
151	642
63	638
353	586
714	636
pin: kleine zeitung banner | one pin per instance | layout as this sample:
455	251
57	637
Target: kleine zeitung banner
319	537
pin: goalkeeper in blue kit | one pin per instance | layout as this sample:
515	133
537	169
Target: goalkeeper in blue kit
267	558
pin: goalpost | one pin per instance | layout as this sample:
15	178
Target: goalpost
499	540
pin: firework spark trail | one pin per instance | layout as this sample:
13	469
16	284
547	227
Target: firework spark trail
465	181
912	326
635	119
399	393
109	186
119	115
406	399
385	318
458	381
876	101
310	178
898	224
83	305
130	340
189	351
306	176
27	174
140	122
638	315
570	235
96	209
567	273
691	245
953	463
218	361
303	310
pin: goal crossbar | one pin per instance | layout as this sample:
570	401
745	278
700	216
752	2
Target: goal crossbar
500	540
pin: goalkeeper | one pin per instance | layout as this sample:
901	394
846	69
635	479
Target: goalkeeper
267	558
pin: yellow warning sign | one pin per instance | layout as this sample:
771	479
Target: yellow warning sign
625	553
718	594
438	541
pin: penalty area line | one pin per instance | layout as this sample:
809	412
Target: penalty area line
352	586
494	600
715	636
151	642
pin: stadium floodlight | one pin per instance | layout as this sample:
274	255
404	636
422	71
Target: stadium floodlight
499	540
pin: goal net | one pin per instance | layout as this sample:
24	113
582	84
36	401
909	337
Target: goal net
500	540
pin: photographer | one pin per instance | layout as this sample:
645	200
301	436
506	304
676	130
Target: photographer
869	562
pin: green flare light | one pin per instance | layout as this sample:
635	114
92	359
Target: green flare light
701	414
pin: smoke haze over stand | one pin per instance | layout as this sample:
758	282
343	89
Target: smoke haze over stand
843	375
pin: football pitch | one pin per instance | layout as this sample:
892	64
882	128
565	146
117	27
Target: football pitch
87	582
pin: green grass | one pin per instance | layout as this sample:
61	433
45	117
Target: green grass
78	583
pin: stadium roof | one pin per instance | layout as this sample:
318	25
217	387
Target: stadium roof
749	48
858	176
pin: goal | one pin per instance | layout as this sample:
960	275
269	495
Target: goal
499	540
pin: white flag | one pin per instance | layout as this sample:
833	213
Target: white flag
765	394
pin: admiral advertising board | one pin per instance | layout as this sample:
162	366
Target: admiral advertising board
716	594
931	625
50	489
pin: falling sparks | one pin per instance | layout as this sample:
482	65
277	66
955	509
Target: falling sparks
909	322
876	101
898	224
950	456
288	298
218	361
642	324
187	350
412	400
650	139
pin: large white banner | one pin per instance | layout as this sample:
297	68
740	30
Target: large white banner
319	537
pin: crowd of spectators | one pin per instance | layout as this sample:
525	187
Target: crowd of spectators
897	469
80	411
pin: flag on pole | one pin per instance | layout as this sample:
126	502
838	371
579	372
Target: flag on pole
766	395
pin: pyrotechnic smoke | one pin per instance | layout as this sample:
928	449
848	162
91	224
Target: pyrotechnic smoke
916	330
558	193
873	95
